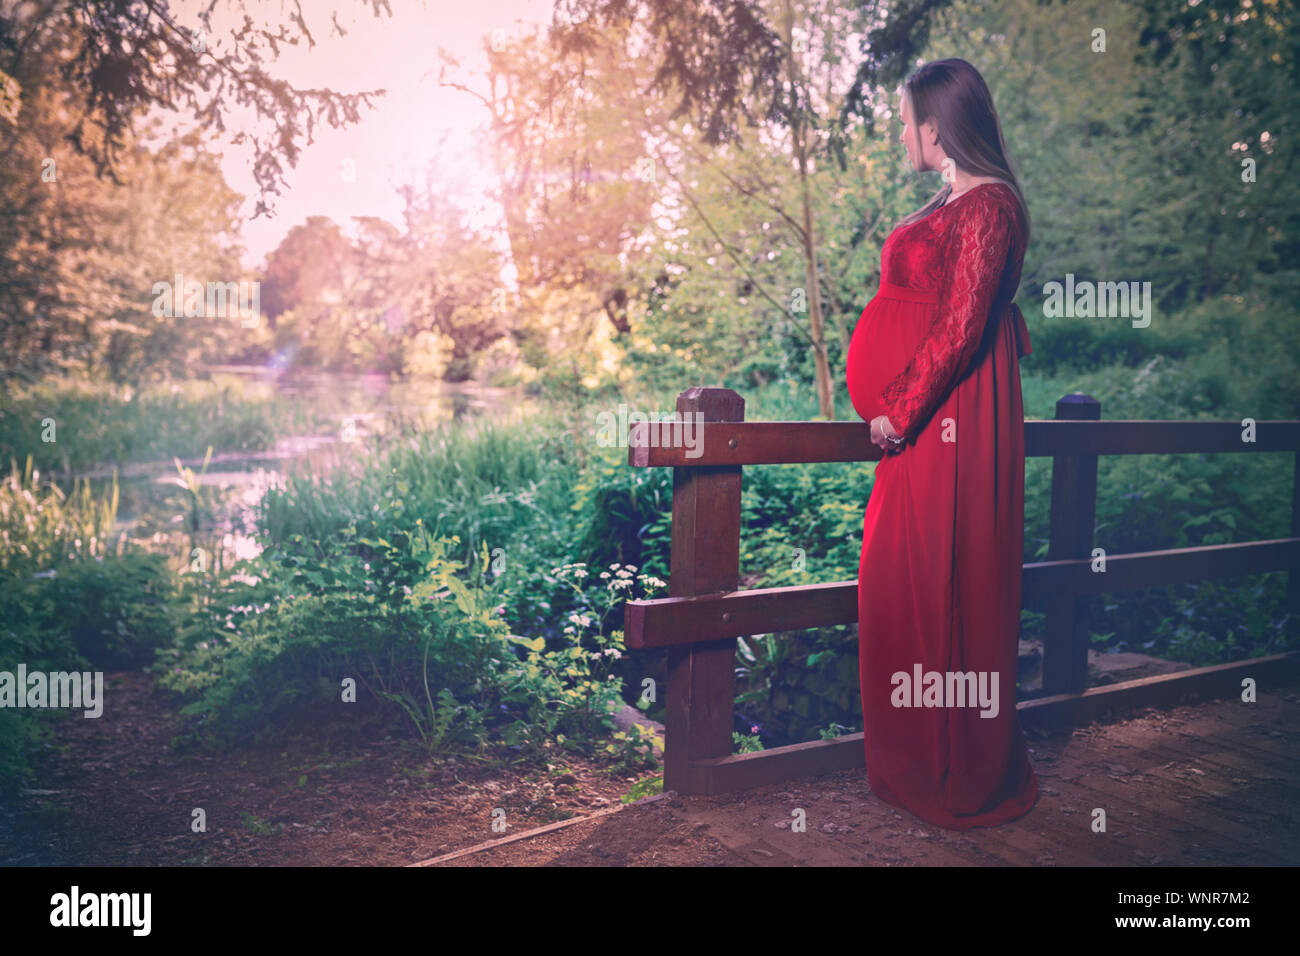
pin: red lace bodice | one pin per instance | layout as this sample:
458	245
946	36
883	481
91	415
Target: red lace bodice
970	253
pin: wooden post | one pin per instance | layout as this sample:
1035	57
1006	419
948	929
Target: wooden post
1073	517
705	559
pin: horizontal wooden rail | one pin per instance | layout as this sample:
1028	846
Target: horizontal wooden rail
1143	437
665	622
1137	570
653	445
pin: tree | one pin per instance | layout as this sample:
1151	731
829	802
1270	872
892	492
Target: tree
793	79
79	255
312	262
1225	100
567	155
118	59
435	282
416	298
729	64
1131	153
77	80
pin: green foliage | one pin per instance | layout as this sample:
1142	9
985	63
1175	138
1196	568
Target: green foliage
192	485
377	596
634	749
79	614
41	524
1203	622
575	669
99	199
110	612
99	424
258	826
252	655
23	734
476	482
643	788
432	721
1222	357
1150	502
803	523
793	685
624	513
418	302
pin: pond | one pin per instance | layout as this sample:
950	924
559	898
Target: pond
173	505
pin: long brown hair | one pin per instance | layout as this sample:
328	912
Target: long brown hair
953	94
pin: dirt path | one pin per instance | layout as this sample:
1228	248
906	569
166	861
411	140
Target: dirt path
1217	783
114	792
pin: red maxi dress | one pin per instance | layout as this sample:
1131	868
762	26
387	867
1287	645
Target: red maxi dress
937	350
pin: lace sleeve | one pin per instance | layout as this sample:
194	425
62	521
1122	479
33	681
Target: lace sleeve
974	263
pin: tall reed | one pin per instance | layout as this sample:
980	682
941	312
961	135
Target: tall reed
40	523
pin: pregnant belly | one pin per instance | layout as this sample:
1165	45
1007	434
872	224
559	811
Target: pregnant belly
884	341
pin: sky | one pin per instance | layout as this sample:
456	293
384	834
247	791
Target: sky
355	171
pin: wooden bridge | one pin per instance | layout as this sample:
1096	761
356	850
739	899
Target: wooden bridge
705	612
1211	784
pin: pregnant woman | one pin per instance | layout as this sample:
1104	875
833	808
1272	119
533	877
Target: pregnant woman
933	366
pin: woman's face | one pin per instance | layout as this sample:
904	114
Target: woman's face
932	154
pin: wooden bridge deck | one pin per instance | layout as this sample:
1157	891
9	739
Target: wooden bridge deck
1214	783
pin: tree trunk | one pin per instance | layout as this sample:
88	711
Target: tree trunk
825	394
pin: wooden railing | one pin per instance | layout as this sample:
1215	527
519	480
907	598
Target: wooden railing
705	613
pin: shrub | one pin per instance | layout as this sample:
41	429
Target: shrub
89	614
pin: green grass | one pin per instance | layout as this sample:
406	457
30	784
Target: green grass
41	524
72	426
